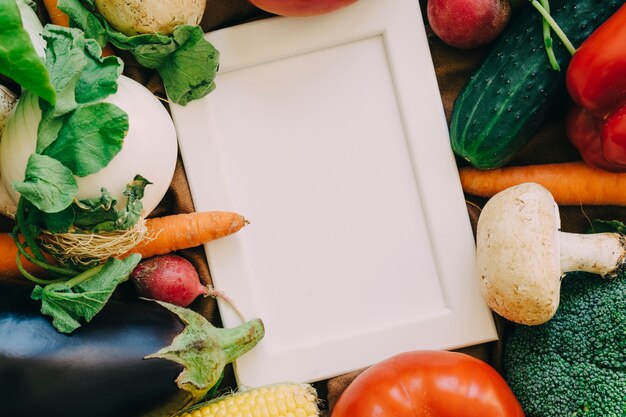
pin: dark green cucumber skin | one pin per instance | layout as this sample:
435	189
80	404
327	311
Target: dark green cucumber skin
510	95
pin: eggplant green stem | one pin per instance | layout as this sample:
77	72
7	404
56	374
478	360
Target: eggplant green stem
554	26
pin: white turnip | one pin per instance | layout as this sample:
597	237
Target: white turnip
132	17
468	24
170	278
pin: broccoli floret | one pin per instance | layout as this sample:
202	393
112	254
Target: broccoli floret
575	364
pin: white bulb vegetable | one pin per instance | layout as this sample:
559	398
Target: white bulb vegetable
150	147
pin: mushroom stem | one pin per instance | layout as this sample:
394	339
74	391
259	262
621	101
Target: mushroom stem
599	253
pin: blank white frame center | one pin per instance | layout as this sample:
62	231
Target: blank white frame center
328	133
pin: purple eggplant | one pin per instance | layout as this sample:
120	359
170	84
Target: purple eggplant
134	359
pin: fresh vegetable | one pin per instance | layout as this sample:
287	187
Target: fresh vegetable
152	16
148	147
76	136
570	183
280	400
60	18
182	231
428	383
56	16
522	254
135	359
510	95
8	264
573	365
186	62
468	24
301	7
595	81
7	102
170	278
164	235
20	56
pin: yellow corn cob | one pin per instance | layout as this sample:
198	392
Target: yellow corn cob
280	400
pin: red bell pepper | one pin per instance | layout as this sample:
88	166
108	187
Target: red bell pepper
596	81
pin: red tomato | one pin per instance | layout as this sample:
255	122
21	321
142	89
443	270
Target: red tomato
429	384
300	7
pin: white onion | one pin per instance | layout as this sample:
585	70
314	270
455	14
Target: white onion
150	147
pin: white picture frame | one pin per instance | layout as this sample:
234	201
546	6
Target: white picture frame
329	135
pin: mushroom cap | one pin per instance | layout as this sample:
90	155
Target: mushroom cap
132	17
518	257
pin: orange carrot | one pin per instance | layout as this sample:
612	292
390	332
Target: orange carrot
58	17
8	256
571	183
184	231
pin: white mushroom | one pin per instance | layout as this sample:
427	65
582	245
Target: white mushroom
132	17
522	254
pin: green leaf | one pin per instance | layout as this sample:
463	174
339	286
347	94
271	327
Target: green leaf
59	222
79	75
18	58
48	184
98	80
82	297
81	17
185	60
189	73
600	226
101	215
90	138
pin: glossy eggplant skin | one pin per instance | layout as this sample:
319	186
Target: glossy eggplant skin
97	371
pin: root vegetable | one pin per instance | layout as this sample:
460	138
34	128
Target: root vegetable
150	147
522	254
183	231
165	234
468	24
570	183
7	102
133	17
170	278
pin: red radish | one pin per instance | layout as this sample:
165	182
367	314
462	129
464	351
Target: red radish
170	278
468	24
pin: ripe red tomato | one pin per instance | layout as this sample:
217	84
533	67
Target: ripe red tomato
429	384
300	7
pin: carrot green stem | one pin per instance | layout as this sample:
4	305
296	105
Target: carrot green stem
555	27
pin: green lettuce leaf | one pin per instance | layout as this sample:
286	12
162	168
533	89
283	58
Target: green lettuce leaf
185	60
82	297
101	214
79	75
18	58
48	184
90	138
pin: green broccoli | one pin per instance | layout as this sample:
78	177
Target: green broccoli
575	364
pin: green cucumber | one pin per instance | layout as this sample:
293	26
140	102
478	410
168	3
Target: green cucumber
510	95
